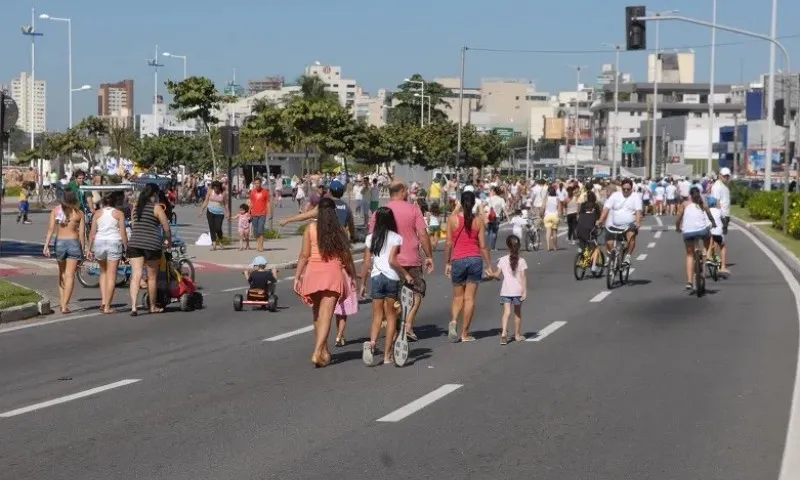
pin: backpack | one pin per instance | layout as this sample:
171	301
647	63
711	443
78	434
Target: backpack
492	215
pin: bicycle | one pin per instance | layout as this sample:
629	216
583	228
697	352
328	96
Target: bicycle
533	234
713	265
616	266
699	261
583	260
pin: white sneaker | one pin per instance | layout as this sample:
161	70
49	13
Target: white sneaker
628	259
367	354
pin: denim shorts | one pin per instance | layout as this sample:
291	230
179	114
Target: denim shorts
258	225
384	287
466	270
511	300
690	236
69	249
108	250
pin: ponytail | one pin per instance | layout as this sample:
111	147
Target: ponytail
468	203
696	197
512	242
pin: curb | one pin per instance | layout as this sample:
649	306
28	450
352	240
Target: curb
26	311
15	211
786	256
282	266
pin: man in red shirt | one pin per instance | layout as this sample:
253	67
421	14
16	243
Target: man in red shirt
411	226
259	209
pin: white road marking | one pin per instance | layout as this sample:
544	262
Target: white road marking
546	331
47	322
600	296
286	335
790	464
68	398
420	403
5	266
658	220
657	234
234	289
651	245
641	257
39	264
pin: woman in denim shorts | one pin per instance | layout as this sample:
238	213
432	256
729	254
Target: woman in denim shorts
67	223
107	240
466	253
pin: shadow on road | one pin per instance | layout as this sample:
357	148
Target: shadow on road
635	283
429	331
10	248
418	354
492	332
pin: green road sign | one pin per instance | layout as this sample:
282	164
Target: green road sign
505	133
629	148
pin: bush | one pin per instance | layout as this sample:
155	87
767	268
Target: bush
13	191
766	205
271	234
740	194
301	229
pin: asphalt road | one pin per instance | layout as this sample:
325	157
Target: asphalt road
643	383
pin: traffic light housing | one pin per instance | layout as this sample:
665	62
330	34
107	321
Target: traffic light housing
635	32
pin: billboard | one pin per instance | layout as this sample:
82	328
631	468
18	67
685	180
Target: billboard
756	161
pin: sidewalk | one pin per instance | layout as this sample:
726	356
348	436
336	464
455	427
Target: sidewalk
10	206
281	253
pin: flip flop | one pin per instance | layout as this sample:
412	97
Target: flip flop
504	340
467	339
452	334
519	338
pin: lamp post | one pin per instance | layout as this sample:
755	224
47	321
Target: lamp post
577	112
422	100
710	163
614	160
182	57
45	16
656	75
30	31
773	32
428	99
154	63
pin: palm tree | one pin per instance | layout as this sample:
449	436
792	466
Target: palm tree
312	87
121	139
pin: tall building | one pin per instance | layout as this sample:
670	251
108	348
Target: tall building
115	103
23	91
332	76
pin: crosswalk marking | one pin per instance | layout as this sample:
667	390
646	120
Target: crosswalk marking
5	266
39	264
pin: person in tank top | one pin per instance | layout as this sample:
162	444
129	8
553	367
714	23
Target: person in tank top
108	240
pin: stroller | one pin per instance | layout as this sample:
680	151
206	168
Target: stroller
172	286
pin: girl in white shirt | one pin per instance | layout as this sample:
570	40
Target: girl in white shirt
514	290
695	221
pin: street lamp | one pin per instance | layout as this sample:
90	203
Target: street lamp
81	88
424	98
422	104
577	114
30	31
614	161
656	74
182	57
710	164
45	16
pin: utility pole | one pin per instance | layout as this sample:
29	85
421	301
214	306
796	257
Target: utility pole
648	152
460	109
736	167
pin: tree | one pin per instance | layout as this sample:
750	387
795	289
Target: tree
312	87
121	140
264	131
165	152
435	145
483	149
197	98
86	137
407	111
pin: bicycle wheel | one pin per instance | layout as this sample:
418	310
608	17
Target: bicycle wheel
537	240
699	278
529	240
186	267
579	266
612	269
625	274
89	273
600	264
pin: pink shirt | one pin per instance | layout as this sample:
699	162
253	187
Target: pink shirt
512	283
409	222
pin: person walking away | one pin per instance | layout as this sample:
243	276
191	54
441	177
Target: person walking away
385	273
465	254
659	195
497	210
552	217
320	279
259	210
146	245
108	240
435	194
215	205
722	193
411	226
67	223
514	290
434	222
717	234
586	225
243	225
694	221
572	206
374	196
24	205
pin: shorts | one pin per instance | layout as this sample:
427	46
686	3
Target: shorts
374	204
511	300
148	255
258	225
384	287
725	222
672	201
69	249
689	237
24	206
609	236
719	240
108	250
551	220
418	285
659	201
645	203
467	270
434	229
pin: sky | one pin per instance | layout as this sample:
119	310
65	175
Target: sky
377	43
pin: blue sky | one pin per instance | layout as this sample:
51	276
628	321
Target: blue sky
376	42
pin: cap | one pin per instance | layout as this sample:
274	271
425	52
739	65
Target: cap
259	261
724	172
712	202
336	186
469	188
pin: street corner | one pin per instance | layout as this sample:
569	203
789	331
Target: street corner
20	303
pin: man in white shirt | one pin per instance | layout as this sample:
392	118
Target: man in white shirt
684	185
720	191
672	197
622	213
538	194
660	195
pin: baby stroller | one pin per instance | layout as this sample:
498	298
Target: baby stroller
172	286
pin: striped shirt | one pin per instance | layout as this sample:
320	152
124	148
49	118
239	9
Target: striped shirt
146	231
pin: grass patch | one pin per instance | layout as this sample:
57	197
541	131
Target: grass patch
12	295
792	244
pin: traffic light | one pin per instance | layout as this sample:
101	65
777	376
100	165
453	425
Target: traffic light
635	32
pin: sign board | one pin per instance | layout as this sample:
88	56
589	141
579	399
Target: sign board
691	98
505	133
629	148
10	111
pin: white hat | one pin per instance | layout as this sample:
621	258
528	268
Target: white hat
724	172
469	188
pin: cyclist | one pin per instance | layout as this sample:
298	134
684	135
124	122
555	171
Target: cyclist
695	221
622	213
588	215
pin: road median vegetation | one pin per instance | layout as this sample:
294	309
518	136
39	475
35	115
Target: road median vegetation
12	295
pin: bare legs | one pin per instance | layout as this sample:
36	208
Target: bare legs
138	265
324	304
66	282
464	301
108	283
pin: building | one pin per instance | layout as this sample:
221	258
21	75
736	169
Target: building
167	122
115	103
332	76
31	98
267	83
373	110
671	67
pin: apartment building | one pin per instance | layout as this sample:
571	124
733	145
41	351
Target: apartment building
334	82
31	99
115	103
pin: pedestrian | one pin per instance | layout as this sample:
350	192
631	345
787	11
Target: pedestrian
244	226
514	290
383	267
215	205
552	212
434	222
259	210
108	240
67	222
722	193
150	233
320	279
24	204
571	207
466	254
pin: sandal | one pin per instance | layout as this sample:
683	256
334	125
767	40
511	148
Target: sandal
157	310
467	339
504	339
134	313
411	335
452	334
340	342
388	360
519	338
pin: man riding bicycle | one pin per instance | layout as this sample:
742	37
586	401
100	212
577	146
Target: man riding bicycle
625	218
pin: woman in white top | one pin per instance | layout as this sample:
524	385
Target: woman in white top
552	212
695	221
107	240
572	206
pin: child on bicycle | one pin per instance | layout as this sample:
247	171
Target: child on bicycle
586	230
717	237
518	223
514	290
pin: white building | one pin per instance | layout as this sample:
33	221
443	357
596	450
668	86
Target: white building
541	110
23	91
672	68
167	122
332	76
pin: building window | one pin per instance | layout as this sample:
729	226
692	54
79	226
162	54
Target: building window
633	113
698	115
630	130
335	85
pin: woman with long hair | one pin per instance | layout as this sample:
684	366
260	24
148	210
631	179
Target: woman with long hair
552	212
385	273
695	221
67	222
320	277
572	206
146	244
466	253
216	207
108	240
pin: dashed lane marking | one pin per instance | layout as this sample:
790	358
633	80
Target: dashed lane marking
651	245
641	257
420	403
546	331
68	398
658	234
286	335
600	296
